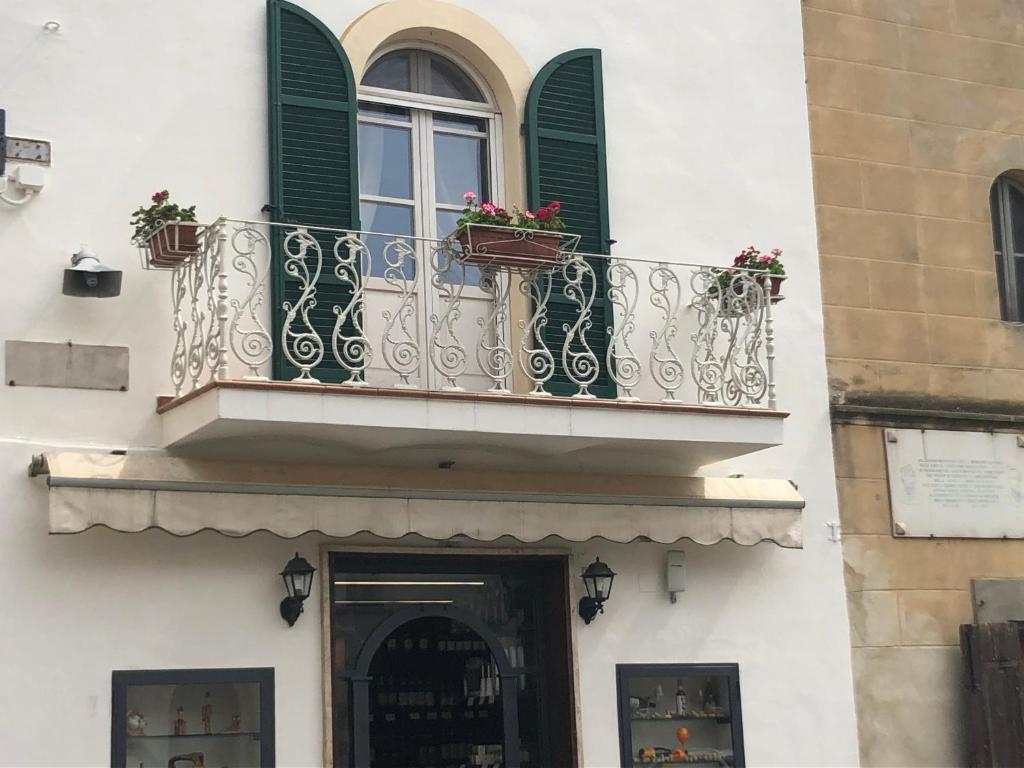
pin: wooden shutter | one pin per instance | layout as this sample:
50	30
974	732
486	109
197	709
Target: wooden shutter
994	683
313	167
565	152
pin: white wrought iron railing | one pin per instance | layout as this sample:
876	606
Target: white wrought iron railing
374	309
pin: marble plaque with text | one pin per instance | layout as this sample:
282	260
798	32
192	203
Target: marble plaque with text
955	484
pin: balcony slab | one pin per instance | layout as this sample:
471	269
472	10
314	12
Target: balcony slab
293	422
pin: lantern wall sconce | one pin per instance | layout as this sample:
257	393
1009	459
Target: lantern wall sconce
298	581
597	578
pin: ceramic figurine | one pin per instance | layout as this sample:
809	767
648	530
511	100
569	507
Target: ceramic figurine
206	715
236	724
179	723
136	723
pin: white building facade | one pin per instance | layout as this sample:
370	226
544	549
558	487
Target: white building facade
449	436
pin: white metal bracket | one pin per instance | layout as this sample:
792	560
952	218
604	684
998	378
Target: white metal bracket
835	530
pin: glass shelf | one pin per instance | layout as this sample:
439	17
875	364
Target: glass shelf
252	734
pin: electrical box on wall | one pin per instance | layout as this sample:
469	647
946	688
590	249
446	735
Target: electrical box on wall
675	576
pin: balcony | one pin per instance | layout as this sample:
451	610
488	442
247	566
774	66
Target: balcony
389	349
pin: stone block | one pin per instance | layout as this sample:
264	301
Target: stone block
873	334
874	618
958	383
858	452
909	95
978	191
904	378
933	617
864	506
896	286
837	182
990	108
943	195
844	281
909	704
840	133
986	295
852	375
867	234
888	187
960	341
949	243
949	292
965	150
1006	345
995	63
933	14
851	38
1004	385
932	53
831	83
990	19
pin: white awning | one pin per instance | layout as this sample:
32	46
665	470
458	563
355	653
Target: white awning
136	492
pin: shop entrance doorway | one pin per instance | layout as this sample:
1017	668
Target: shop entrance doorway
445	661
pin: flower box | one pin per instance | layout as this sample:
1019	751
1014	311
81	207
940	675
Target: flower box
172	243
530	249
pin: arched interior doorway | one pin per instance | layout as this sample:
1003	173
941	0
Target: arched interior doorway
433	688
433	680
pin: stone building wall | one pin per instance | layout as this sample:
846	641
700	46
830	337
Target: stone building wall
916	106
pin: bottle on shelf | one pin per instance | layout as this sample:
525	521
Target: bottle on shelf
680	698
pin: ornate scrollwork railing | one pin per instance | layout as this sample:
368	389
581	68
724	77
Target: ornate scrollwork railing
317	305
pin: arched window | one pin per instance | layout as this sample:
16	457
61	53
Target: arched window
425	139
1007	201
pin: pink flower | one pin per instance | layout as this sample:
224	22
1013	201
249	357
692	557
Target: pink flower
469	197
764	258
529	215
489	208
776	252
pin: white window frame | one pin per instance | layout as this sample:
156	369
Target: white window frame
422	108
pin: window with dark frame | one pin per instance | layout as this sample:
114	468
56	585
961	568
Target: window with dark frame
1007	203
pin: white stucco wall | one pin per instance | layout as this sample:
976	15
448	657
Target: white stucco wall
708	151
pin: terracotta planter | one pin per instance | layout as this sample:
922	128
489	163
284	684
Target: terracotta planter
505	247
173	243
775	288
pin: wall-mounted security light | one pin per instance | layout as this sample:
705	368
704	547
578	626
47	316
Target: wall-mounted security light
88	278
298	581
597	578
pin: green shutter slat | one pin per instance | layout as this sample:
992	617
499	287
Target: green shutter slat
568	165
313	168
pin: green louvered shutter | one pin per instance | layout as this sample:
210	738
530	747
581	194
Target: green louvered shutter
565	149
313	167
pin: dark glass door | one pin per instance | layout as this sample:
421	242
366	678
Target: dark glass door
446	661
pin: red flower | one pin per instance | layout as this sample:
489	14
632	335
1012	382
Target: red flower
159	197
554	206
544	214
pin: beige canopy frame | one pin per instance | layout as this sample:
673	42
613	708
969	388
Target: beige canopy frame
136	492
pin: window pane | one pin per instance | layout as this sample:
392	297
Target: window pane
388	220
459	167
468	274
385	111
390	71
460	122
385	161
1017	217
447	80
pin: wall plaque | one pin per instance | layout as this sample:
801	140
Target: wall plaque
957	484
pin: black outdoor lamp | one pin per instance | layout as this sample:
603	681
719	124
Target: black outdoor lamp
597	578
298	580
